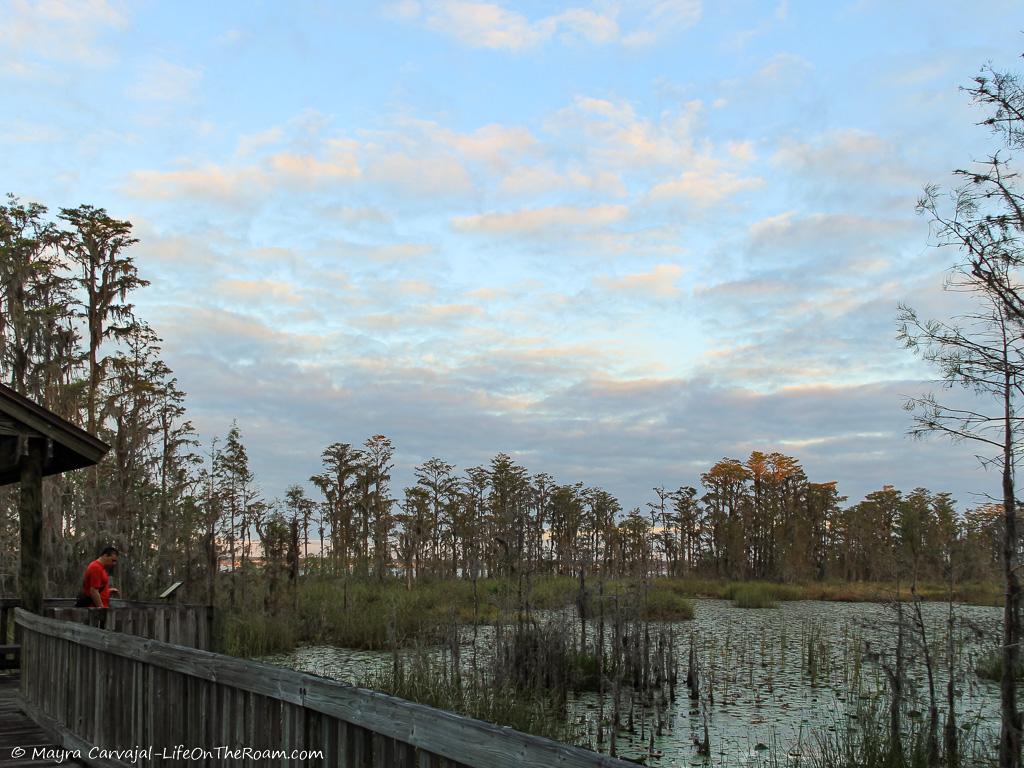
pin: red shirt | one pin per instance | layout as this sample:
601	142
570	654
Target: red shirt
96	577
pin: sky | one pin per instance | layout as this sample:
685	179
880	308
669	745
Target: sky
616	240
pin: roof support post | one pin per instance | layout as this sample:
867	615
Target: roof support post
32	578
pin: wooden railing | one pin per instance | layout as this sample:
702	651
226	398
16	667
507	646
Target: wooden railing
92	687
189	625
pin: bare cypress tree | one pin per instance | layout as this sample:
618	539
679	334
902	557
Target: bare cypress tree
984	220
983	353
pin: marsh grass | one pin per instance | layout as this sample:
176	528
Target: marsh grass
973	593
753	595
256	634
375	615
425	679
665	605
989	666
869	744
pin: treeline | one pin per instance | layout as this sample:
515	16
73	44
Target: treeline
758	519
71	340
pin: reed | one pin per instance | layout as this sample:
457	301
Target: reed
753	595
424	678
869	744
989	666
256	634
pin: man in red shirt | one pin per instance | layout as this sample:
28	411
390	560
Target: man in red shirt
96	589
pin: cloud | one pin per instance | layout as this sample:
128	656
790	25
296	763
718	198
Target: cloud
493	144
233	336
852	165
542	220
165	82
489	25
259	291
392	253
210	182
35	34
252	142
613	136
420	176
432	317
583	167
310	170
658	283
704	187
555	413
661	17
841	237
403	9
782	69
530	180
246	183
494	26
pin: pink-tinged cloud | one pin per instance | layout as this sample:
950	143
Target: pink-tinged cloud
488	294
489	25
211	182
308	169
614	137
492	25
658	283
703	189
527	180
234	184
422	176
259	291
535	221
492	144
421	318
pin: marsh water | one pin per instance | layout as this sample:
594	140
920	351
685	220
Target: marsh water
774	681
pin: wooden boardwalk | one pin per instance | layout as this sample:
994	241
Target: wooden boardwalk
17	730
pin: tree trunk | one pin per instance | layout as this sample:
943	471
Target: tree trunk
1010	727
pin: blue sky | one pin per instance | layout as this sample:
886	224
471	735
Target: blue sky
617	240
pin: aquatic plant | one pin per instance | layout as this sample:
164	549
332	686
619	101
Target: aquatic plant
665	605
753	595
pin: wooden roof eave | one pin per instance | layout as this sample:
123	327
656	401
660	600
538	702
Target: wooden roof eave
50	425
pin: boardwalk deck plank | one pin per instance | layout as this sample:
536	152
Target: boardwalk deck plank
17	730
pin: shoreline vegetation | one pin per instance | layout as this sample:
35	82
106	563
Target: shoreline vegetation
547	640
378	615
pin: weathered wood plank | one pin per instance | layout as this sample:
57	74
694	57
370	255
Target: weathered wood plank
18	730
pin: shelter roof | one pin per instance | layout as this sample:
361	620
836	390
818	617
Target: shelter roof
68	447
